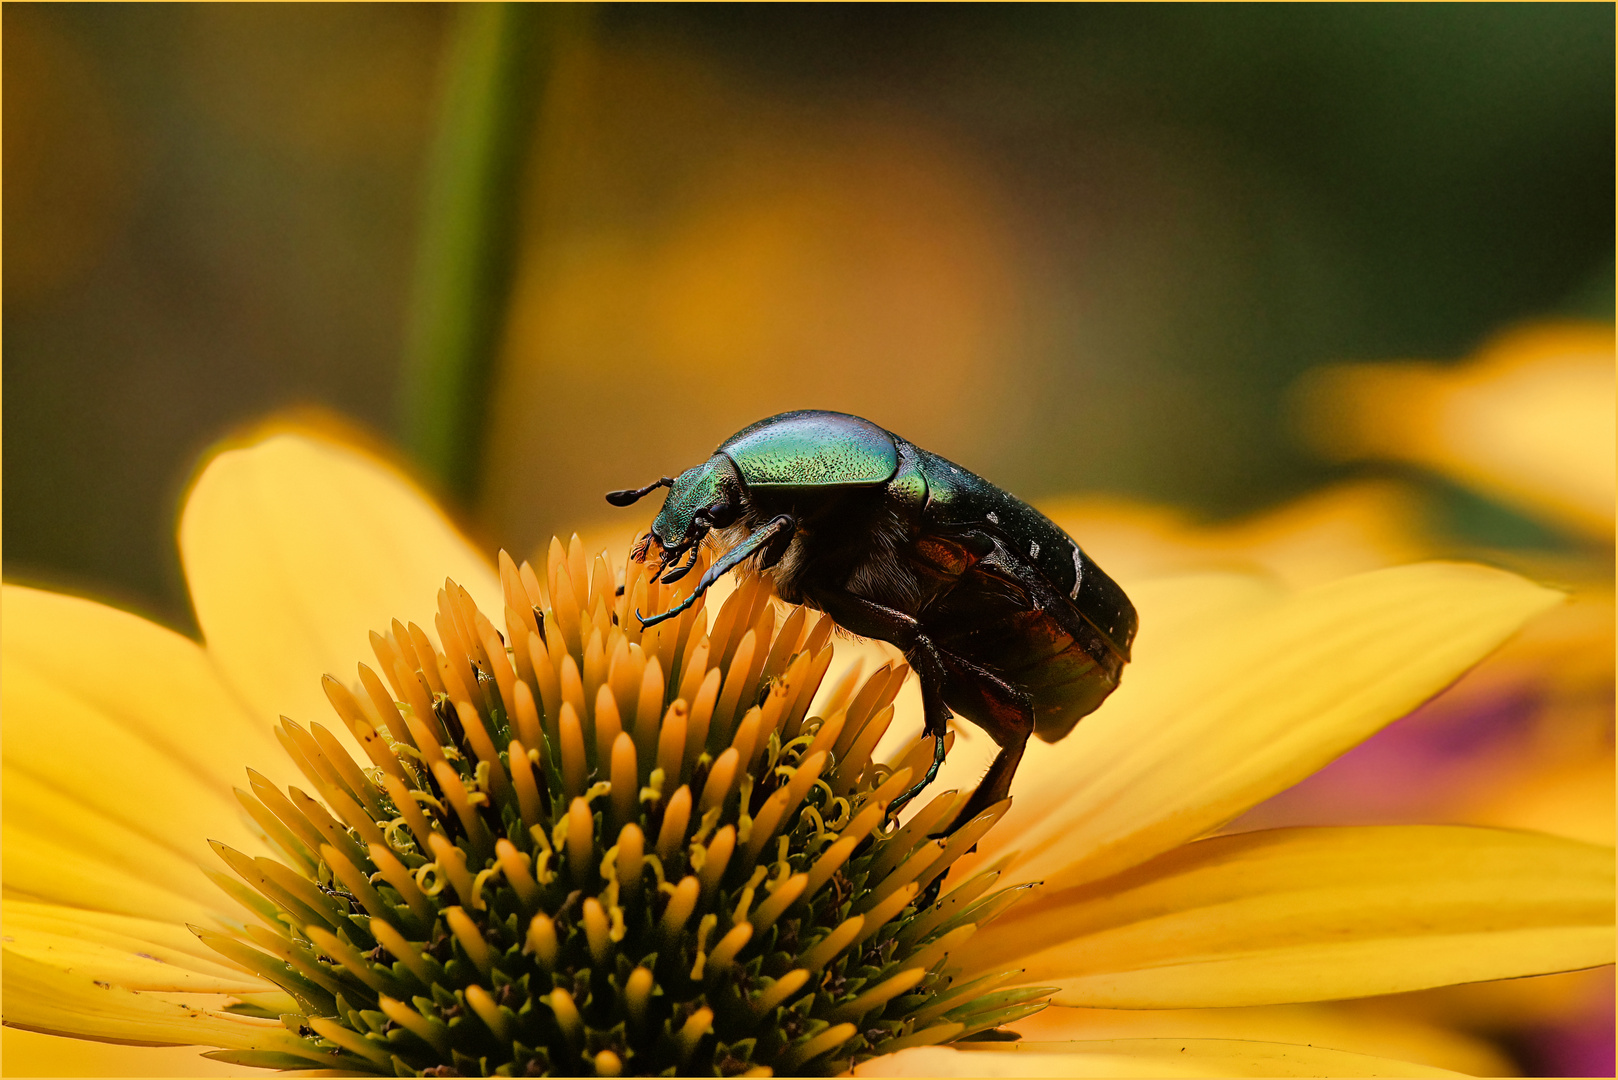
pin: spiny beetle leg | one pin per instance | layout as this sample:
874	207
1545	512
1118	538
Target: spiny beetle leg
727	562
871	619
932	774
868	618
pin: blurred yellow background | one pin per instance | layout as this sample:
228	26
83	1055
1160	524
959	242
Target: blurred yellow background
1080	249
1306	289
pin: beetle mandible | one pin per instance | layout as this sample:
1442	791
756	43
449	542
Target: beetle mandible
1002	616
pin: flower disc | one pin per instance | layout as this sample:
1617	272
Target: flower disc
584	846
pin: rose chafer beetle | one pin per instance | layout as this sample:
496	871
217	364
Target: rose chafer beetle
1002	616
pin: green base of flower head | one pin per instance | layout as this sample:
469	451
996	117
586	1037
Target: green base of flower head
561	863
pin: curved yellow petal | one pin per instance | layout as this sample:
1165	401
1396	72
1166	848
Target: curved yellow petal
1335	1025
42	997
1243	1057
43	867
296	547
1346	528
1530	420
1141	1057
1568	997
163	935
122	719
1218	717
1175	611
137	954
157	685
944	1061
28	1053
1291	915
61	822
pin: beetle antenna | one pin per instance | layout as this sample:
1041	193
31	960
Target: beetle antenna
630	496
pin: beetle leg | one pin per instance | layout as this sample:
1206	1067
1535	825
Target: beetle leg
932	774
871	619
673	574
1002	710
868	618
727	562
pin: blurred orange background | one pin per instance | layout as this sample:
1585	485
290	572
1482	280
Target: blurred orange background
1077	249
1142	265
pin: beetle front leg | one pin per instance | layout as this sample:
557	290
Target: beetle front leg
781	524
868	618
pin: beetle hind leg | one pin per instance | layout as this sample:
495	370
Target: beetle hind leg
863	616
1005	711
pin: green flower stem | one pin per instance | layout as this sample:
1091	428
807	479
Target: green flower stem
495	73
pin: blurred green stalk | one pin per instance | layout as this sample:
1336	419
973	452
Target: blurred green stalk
467	244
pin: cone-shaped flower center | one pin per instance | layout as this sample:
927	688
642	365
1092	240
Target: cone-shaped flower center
584	847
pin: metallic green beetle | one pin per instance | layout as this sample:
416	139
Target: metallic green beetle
1002	616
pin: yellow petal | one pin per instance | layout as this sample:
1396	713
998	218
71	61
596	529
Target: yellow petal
28	1053
123	719
166	936
1142	1057
1292	915
1176	611
1529	420
42	866
1570	997
159	686
944	1061
296	548
1338	1026
1222	714
62	821
1343	529
42	997
136	954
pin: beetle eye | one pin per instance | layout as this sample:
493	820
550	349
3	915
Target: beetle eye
720	514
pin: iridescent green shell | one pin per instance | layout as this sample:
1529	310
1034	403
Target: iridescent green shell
812	449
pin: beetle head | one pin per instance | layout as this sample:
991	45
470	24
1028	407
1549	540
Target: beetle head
699	499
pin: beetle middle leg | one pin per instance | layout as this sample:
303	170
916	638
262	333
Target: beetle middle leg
871	619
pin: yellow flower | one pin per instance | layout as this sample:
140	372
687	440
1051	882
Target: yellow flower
1524	741
390	927
1551	774
1530	420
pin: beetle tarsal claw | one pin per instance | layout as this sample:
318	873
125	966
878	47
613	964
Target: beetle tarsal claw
932	774
675	573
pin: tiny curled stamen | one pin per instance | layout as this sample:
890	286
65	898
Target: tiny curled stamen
430	871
